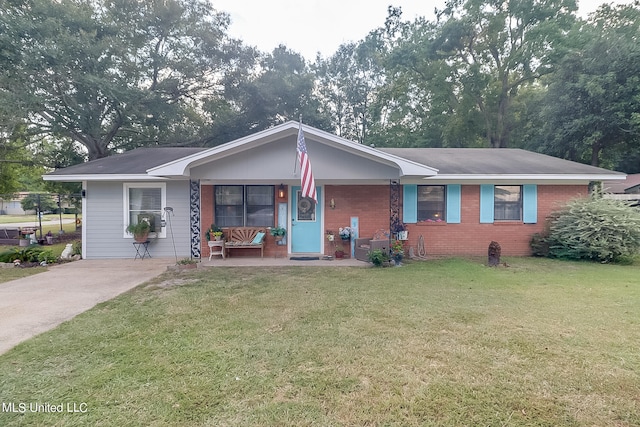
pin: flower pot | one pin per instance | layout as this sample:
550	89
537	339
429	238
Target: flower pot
49	240
24	242
402	235
141	238
339	254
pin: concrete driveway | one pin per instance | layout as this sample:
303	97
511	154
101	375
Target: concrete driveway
35	304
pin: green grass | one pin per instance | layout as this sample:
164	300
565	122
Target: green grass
7	274
10	219
439	343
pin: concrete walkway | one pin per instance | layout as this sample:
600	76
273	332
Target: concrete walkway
35	304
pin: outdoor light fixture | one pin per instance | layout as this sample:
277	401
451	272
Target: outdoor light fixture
281	191
332	203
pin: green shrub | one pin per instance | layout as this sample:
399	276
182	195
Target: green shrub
47	256
593	228
9	255
540	244
28	254
377	257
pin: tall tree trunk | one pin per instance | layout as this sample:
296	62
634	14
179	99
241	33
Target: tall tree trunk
595	153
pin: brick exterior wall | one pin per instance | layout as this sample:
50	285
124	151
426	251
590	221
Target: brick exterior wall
370	203
472	238
207	211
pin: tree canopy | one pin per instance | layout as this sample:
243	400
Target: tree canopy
110	75
591	109
116	74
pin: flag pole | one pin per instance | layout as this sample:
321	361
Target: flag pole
295	160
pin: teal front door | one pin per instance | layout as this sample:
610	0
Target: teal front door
306	223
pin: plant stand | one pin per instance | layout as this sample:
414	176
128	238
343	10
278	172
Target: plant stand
142	250
216	247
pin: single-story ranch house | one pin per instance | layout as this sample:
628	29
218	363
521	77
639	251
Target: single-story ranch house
452	201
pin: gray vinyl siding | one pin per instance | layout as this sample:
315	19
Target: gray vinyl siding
104	222
275	162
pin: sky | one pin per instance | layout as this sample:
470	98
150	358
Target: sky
311	26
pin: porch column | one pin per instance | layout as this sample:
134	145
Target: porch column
194	217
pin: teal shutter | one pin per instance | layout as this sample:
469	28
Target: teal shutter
453	204
486	203
530	203
410	203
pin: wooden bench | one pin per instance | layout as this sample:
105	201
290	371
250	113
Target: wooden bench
244	238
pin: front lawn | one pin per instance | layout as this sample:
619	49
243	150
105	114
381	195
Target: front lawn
438	343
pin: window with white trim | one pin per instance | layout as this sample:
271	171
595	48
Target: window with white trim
144	202
507	203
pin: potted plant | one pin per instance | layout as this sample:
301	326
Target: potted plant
378	258
397	252
214	233
339	253
330	235
400	230
345	233
140	231
278	232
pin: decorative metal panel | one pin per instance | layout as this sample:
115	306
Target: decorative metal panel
194	217
394	206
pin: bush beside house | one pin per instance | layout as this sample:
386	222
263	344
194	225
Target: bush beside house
591	228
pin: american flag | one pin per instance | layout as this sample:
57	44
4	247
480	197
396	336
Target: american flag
306	176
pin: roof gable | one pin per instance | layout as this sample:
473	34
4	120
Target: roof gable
180	167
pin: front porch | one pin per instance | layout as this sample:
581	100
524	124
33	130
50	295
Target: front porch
280	262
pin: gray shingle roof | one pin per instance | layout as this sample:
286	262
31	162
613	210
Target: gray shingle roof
131	162
485	161
621	187
448	161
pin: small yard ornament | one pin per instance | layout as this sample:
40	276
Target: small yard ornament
67	252
494	254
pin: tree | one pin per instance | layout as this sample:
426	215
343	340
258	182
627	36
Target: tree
13	155
282	90
591	111
464	71
39	203
115	74
348	84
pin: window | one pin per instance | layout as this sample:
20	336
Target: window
431	203
507	202
244	205
144	202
